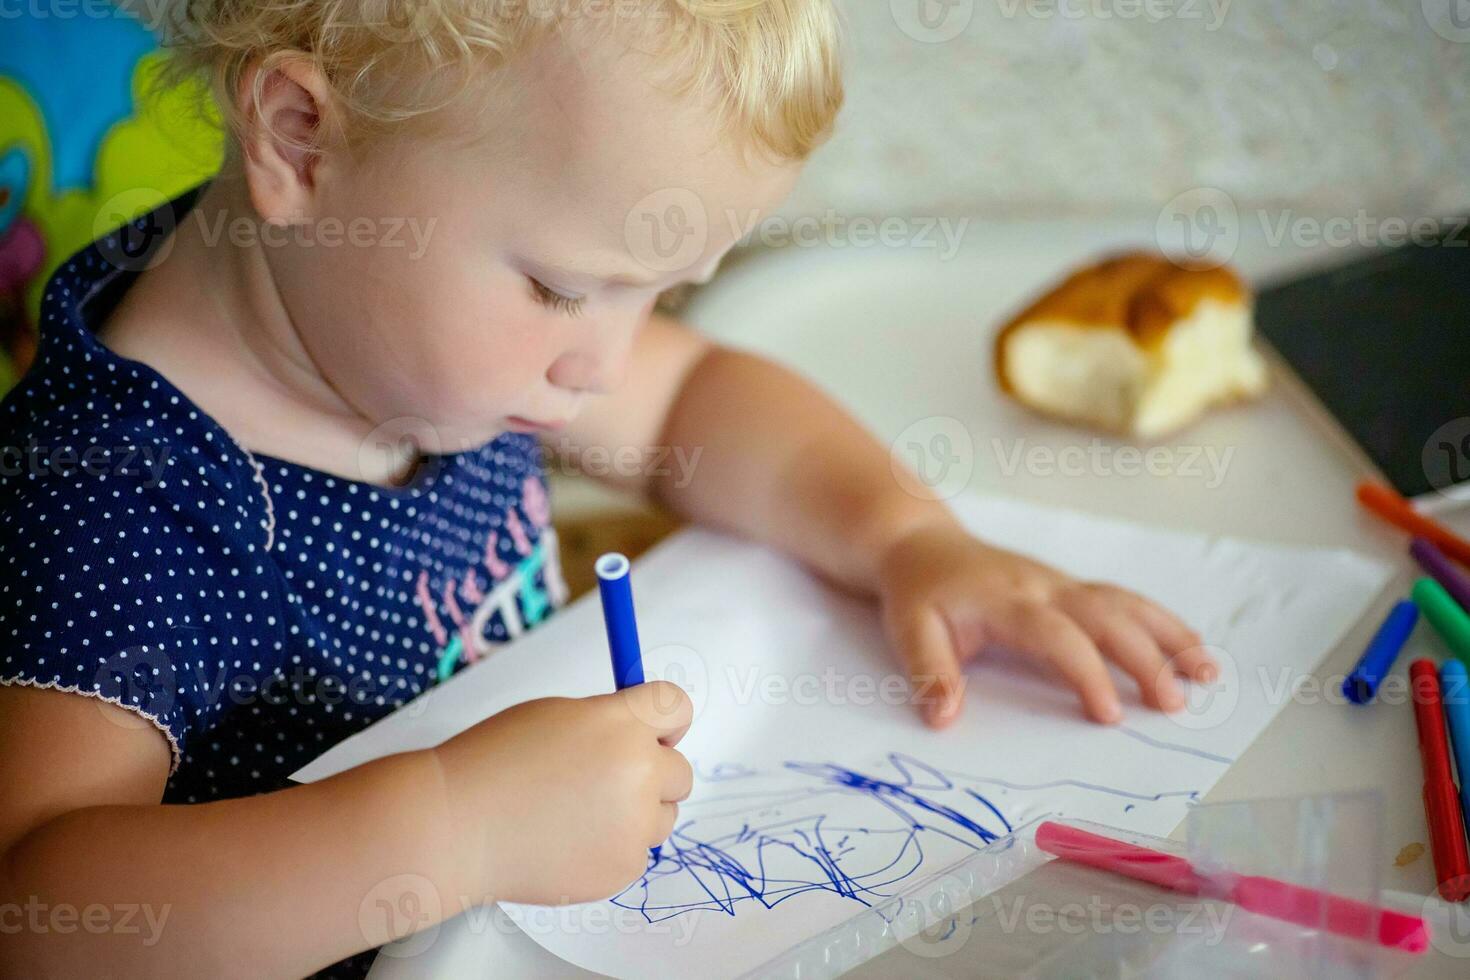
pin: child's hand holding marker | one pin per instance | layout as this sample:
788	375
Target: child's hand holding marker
600	778
566	796
947	596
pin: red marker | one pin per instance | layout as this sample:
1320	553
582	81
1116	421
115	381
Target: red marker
1263	896
1441	801
1401	514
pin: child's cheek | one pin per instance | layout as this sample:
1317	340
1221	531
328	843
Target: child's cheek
459	342
495	368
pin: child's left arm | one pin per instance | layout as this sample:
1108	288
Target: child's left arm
747	445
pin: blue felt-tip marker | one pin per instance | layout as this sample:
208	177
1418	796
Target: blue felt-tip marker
1454	682
1361	685
616	588
615	585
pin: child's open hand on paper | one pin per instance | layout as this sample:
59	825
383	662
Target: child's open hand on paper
947	597
791	468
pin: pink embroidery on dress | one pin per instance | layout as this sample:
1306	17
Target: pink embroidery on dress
462	622
451	604
517	533
431	616
535	502
513	591
497	568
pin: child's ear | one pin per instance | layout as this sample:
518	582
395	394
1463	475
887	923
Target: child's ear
288	129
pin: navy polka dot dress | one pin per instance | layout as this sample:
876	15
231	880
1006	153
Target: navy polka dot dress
254	610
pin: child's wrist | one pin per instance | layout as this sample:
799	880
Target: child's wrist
889	523
457	832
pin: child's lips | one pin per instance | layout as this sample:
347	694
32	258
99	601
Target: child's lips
531	425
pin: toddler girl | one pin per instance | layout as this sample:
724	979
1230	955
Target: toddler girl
285	438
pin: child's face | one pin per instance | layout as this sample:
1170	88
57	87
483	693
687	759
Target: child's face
537	269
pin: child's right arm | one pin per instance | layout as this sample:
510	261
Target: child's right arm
552	800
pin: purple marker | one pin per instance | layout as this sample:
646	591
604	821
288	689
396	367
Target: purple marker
1443	571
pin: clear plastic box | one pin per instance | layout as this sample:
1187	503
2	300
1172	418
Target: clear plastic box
1012	910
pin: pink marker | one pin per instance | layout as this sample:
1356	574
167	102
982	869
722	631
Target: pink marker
1263	896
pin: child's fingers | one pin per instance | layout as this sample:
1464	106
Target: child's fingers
1125	642
668	816
1195	663
1180	644
660	705
1053	638
678	777
926	647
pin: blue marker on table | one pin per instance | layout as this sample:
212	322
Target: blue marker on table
1454	682
615	585
1361	685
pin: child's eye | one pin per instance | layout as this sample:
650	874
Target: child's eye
551	299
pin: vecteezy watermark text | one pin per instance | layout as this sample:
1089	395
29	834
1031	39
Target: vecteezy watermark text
831	687
63	918
1204	227
327	232
34	459
135	230
1095	917
1362	229
405	912
1211	12
833	229
675	463
1098	458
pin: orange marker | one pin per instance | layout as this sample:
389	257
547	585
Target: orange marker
1397	511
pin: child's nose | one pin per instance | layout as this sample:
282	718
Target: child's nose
597	364
587	373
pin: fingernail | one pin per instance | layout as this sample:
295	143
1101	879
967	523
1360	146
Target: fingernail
1112	713
942	712
1208	673
1171	697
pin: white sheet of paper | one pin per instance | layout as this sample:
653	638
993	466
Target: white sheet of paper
819	791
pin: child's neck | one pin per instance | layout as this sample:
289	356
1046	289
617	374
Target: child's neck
210	319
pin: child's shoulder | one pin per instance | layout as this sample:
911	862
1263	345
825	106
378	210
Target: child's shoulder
132	532
88	432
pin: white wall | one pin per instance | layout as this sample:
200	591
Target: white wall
1064	108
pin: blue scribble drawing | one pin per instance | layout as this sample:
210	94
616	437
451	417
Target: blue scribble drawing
764	836
766	845
722	771
1159	743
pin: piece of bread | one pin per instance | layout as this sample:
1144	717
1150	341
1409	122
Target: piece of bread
1134	345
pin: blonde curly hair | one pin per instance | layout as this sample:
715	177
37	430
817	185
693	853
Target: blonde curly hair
772	66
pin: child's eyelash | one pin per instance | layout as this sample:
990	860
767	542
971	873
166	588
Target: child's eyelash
553	300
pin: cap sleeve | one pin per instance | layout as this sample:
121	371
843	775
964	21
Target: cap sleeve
142	585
